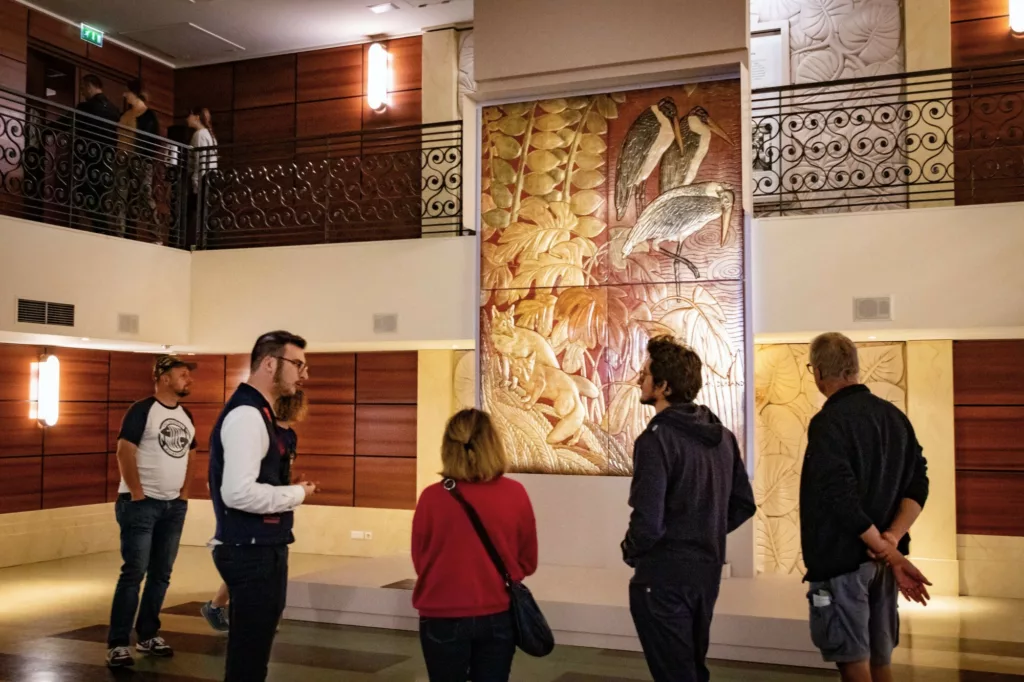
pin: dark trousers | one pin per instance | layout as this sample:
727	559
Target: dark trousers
673	622
257	580
150	533
460	649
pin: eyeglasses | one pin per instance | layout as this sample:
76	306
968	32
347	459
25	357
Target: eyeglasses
299	364
810	368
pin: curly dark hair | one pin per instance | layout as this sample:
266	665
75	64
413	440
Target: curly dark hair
677	365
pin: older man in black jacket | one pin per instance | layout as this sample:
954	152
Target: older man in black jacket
689	490
864	482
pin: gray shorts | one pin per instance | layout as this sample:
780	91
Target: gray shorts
854	617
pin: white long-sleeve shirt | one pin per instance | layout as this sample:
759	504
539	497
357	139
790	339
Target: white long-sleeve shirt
246	441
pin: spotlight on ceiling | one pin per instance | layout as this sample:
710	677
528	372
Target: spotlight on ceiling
383	7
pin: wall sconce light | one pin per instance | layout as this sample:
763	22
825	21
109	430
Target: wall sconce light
378	77
44	390
1017	18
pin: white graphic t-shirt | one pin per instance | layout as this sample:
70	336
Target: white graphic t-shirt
164	436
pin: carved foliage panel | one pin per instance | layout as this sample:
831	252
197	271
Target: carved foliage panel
602	227
785	399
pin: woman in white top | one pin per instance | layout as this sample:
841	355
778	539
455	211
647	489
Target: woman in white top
203	160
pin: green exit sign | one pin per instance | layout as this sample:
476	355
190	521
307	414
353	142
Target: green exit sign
92	35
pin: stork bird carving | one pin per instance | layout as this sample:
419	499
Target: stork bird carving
680	167
679	213
645	143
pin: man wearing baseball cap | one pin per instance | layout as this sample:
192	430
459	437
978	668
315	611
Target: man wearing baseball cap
155	453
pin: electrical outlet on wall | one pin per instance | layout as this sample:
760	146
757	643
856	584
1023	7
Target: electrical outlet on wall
368	535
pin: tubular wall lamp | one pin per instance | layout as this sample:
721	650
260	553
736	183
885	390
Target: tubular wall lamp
44	390
378	77
1017	18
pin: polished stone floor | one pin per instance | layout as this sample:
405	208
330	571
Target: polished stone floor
53	615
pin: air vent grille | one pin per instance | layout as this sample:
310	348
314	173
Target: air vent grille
385	324
127	323
873	309
46	312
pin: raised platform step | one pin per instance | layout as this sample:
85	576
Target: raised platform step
762	620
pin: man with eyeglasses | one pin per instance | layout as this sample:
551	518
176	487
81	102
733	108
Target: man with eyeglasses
253	507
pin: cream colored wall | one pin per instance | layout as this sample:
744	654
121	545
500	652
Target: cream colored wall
952	273
330	293
990	566
927	34
534	47
435	400
102	276
48	534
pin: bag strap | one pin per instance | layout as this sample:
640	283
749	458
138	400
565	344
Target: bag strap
474	518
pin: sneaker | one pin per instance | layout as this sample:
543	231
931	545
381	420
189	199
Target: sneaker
155	647
217	617
120	657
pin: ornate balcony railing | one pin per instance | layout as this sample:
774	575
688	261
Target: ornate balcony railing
69	168
391	183
951	136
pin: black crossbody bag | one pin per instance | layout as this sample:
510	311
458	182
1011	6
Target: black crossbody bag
533	635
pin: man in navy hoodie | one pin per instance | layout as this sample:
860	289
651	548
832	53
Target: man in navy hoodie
253	503
690	489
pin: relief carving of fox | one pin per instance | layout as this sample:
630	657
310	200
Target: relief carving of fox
528	361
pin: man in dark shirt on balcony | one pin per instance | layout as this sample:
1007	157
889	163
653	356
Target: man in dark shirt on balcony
95	147
864	482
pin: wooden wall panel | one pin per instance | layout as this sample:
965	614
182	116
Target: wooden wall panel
407	59
985	42
265	82
81	428
267	123
56	33
83	374
967	10
131	376
13	74
988	372
330	74
990	503
332	378
387	378
204	86
20	436
21	486
113	477
115	57
204	416
329	117
236	371
115	415
159	81
385	483
386	430
335	476
72	480
207	379
16	370
199	488
13	30
327	430
406	109
990	438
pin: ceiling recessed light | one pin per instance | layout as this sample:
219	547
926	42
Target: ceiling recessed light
383	7
85	338
872	338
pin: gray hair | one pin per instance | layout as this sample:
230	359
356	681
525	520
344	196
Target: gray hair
835	356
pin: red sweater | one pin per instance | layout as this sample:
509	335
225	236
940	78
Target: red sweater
455	577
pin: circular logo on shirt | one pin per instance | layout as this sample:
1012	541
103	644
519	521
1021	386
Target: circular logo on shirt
174	438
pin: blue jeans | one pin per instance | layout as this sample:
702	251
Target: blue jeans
459	649
150	533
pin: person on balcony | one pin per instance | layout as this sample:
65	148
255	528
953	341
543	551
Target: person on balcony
690	489
94	144
141	153
203	160
864	482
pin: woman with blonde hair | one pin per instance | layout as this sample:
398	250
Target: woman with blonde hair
289	409
466	628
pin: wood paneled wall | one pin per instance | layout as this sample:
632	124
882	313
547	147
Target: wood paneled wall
300	95
359	441
21	28
980	33
988	384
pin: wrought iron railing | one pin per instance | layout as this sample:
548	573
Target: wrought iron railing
390	183
66	167
930	137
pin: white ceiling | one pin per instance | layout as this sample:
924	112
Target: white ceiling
261	27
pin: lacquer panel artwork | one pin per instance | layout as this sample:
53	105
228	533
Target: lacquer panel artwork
785	399
607	220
